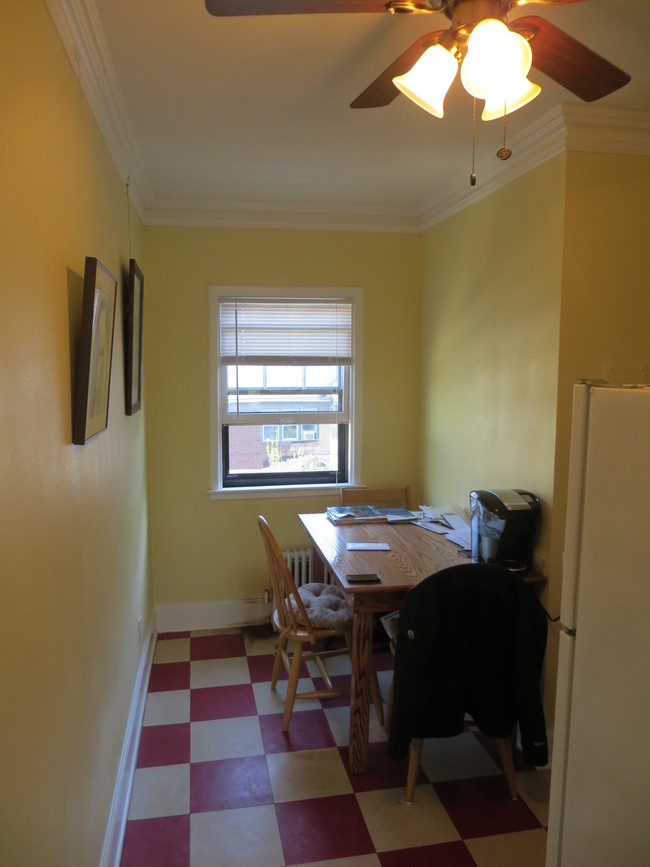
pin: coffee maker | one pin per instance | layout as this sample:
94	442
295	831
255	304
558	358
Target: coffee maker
505	524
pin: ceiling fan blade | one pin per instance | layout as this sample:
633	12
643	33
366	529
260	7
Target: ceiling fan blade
230	8
382	91
568	61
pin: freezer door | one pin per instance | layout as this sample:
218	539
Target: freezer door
605	815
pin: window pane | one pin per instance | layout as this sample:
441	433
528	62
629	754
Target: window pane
250	451
282	390
248	377
285	377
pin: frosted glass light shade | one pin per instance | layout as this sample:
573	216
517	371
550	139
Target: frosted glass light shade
496	60
429	79
524	92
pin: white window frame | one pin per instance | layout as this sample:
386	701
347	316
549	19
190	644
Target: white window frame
217	401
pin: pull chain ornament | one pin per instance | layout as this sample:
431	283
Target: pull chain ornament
504	153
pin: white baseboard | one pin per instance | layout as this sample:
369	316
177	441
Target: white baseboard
114	837
191	616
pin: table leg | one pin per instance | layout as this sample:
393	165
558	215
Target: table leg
360	690
317	567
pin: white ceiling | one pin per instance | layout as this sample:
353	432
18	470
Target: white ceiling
247	120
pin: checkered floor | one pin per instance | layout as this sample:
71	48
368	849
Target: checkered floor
218	783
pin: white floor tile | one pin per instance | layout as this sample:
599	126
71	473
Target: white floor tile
394	824
457	758
167	708
518	849
219	672
307	774
335	665
339	723
272	701
160	791
225	739
257	644
247	837
172	650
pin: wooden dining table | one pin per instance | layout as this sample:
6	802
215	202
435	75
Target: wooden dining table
413	554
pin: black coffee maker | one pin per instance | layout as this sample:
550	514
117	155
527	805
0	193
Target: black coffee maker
505	525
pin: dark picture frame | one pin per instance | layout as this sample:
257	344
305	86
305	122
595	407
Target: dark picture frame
133	301
90	415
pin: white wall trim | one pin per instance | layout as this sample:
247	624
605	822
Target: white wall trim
114	836
191	616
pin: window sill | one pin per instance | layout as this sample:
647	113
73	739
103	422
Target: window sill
267	493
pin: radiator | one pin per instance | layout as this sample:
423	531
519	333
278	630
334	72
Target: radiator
299	563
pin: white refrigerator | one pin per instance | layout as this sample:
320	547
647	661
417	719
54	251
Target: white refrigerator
599	811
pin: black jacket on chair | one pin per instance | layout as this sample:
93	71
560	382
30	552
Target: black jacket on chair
471	640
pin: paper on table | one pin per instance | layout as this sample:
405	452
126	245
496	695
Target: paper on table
461	537
430	525
368	546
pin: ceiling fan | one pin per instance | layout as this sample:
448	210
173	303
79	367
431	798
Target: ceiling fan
558	55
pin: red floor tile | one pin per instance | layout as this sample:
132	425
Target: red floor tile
216	647
322	828
222	702
482	806
160	842
261	669
169	675
308	730
164	745
442	855
383	772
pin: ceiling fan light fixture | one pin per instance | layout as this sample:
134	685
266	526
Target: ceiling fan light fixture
524	92
428	81
497	59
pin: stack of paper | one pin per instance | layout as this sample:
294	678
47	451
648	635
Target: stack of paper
447	522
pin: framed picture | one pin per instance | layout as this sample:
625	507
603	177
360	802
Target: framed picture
133	338
90	416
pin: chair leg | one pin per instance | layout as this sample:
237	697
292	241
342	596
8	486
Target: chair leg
292	685
414	765
505	752
280	648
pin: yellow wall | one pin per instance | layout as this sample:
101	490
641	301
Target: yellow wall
531	289
605	312
73	519
205	550
491	285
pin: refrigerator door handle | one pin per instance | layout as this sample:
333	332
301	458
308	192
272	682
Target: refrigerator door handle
577	460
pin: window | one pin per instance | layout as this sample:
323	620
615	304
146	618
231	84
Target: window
282	387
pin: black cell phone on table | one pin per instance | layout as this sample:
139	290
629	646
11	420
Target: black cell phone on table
363	578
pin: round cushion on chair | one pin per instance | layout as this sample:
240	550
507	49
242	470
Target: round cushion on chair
326	605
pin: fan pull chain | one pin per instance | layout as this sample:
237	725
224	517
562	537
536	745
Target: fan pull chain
504	153
472	177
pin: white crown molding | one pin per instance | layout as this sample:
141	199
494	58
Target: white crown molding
268	216
82	36
580	128
585	128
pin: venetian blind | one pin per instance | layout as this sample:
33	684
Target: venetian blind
286	331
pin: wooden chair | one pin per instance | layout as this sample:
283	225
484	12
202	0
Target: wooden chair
307	615
377	496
